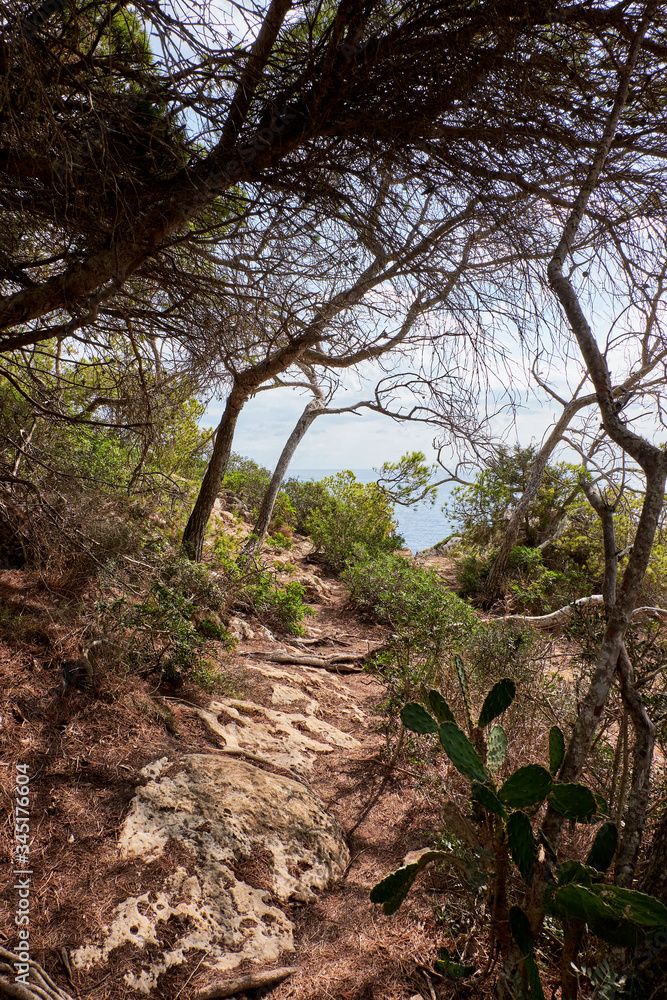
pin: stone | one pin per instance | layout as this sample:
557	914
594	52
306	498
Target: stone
256	840
316	592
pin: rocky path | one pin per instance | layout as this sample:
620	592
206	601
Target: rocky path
189	845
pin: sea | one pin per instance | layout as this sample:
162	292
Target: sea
421	527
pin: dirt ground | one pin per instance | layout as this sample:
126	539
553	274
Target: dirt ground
84	751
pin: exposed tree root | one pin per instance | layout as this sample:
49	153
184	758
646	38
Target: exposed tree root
40	987
340	664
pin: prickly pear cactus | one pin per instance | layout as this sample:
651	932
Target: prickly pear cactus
526	787
499	698
496	752
465	691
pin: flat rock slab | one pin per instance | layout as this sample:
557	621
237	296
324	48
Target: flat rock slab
257	840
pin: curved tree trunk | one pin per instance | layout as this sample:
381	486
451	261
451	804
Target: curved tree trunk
650	458
312	410
195	529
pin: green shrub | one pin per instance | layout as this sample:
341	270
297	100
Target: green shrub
480	511
276	606
169	628
426	620
500	649
354	516
247	480
526	881
305	498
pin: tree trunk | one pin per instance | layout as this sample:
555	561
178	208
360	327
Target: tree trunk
195	529
651	459
312	410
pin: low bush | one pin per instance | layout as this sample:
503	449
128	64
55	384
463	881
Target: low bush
426	619
353	516
530	890
306	498
277	607
249	481
165	632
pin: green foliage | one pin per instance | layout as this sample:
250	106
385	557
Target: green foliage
306	498
276	606
569	891
407	481
280	542
426	620
247	480
499	649
356	520
480	510
172	624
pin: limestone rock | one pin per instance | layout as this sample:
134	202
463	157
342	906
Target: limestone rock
240	629
316	591
256	840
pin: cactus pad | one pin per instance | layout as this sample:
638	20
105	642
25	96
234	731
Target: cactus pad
465	691
439	707
393	889
488	798
521	843
618	916
462	753
496	747
417	719
454	970
556	749
497	700
526	787
573	802
603	847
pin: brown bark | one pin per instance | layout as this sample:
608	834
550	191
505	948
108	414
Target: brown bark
195	529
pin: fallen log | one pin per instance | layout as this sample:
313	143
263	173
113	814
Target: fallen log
594	600
555	617
249	982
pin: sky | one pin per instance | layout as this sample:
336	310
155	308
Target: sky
345	441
